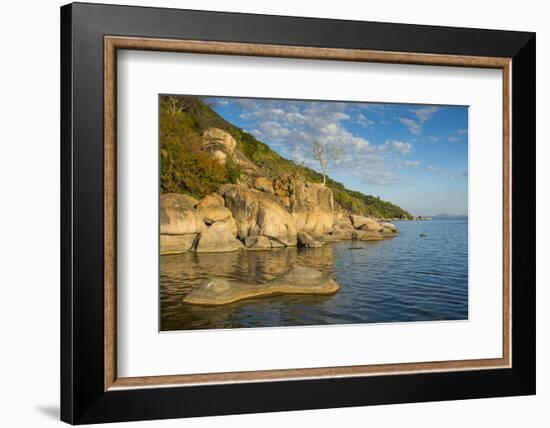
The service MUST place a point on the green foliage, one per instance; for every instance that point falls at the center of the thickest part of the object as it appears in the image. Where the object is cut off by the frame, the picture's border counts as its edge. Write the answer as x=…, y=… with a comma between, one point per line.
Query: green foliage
x=187, y=168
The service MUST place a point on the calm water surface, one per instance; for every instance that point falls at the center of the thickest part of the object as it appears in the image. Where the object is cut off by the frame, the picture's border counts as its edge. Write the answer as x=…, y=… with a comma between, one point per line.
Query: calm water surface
x=407, y=278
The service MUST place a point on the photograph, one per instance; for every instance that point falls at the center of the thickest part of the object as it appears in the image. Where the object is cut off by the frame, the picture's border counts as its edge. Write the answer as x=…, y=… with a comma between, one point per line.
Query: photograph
x=292, y=212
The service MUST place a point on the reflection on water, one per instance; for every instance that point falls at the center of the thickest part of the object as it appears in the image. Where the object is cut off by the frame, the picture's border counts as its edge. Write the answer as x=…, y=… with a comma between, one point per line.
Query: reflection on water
x=408, y=278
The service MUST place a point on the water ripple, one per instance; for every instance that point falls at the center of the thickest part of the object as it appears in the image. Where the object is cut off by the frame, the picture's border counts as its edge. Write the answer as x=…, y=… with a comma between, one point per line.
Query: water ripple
x=408, y=278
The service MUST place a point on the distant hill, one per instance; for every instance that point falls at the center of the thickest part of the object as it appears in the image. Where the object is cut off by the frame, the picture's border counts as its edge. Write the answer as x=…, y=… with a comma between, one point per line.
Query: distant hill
x=450, y=217
x=186, y=167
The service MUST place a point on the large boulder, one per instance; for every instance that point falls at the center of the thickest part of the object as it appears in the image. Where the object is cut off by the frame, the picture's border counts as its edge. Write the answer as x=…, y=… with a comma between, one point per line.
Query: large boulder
x=311, y=206
x=210, y=201
x=299, y=280
x=178, y=215
x=307, y=241
x=175, y=244
x=342, y=230
x=387, y=232
x=257, y=243
x=212, y=208
x=389, y=226
x=222, y=146
x=219, y=143
x=365, y=223
x=259, y=213
x=218, y=238
x=263, y=184
x=367, y=235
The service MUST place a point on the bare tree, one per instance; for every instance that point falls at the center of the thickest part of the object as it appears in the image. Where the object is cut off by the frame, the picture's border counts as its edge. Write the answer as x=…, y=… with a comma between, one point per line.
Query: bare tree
x=324, y=154
x=178, y=104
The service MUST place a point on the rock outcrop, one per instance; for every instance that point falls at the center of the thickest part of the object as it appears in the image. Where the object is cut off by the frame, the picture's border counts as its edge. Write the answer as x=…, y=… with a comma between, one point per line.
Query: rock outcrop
x=219, y=143
x=218, y=238
x=367, y=235
x=179, y=223
x=212, y=208
x=312, y=207
x=257, y=243
x=259, y=213
x=176, y=244
x=306, y=240
x=222, y=146
x=365, y=223
x=299, y=280
x=263, y=184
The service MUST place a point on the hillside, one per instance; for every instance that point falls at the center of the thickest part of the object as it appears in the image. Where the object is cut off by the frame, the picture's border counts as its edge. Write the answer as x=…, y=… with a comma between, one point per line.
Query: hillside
x=186, y=167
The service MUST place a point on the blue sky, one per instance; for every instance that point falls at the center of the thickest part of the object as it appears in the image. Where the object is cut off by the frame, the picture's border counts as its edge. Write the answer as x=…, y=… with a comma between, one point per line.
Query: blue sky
x=413, y=155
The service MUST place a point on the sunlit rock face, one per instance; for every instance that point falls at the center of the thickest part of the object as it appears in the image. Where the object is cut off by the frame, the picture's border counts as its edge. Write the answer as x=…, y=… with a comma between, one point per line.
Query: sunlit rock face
x=179, y=223
x=217, y=238
x=219, y=143
x=259, y=213
x=312, y=207
x=178, y=215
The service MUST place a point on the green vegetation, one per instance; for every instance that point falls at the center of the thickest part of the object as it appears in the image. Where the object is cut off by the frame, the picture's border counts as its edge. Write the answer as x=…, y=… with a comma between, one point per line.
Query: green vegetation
x=187, y=168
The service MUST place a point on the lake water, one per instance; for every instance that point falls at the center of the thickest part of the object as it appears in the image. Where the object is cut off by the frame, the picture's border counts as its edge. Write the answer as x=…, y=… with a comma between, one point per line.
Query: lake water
x=406, y=278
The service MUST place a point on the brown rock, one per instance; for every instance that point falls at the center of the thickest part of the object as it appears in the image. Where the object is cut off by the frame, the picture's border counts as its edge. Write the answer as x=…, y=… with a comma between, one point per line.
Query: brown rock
x=210, y=201
x=263, y=184
x=299, y=280
x=259, y=213
x=257, y=243
x=367, y=235
x=178, y=215
x=218, y=238
x=306, y=240
x=365, y=223
x=175, y=244
x=219, y=143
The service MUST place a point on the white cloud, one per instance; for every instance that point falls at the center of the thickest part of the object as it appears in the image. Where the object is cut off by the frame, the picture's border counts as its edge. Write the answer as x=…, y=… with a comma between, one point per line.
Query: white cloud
x=363, y=121
x=456, y=135
x=432, y=168
x=292, y=126
x=422, y=116
x=399, y=146
x=409, y=164
x=414, y=127
x=463, y=174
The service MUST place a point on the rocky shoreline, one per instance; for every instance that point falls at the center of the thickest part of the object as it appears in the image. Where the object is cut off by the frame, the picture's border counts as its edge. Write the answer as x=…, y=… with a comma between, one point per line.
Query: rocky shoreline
x=258, y=213
x=242, y=218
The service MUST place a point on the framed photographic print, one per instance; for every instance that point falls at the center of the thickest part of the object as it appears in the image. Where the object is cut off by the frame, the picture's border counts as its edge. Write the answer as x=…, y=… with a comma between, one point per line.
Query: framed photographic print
x=267, y=213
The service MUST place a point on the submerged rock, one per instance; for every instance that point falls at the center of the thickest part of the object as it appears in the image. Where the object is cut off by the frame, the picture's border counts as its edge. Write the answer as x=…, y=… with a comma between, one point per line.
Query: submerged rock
x=299, y=280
